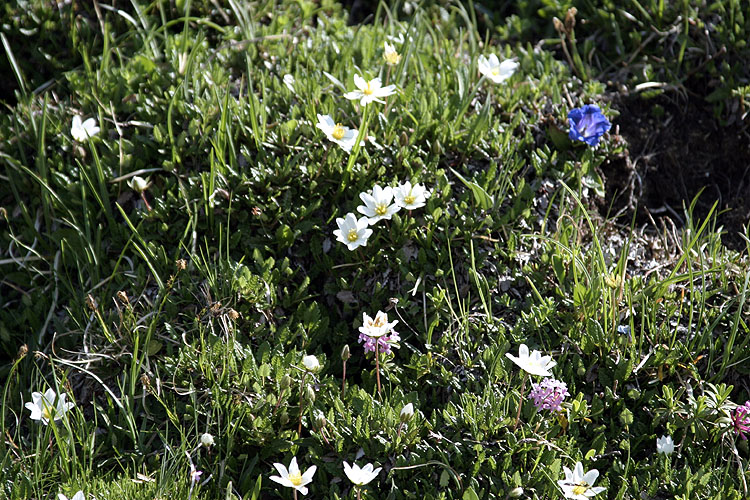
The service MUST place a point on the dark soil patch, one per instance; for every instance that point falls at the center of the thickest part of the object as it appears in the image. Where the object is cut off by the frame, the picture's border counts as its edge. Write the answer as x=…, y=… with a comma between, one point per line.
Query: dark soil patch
x=677, y=150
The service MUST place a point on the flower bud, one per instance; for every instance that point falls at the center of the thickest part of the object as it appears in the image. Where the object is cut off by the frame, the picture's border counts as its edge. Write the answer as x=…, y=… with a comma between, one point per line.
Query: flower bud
x=345, y=354
x=407, y=412
x=558, y=25
x=320, y=420
x=123, y=297
x=570, y=19
x=310, y=394
x=207, y=440
x=138, y=184
x=284, y=418
x=516, y=492
x=311, y=363
x=286, y=382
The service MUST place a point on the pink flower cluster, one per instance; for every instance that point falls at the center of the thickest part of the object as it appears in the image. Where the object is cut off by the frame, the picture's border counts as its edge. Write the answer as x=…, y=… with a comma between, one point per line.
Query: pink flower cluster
x=549, y=394
x=741, y=420
x=386, y=342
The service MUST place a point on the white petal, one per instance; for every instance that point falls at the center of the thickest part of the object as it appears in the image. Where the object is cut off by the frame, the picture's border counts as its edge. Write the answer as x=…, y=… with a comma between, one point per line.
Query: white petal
x=360, y=82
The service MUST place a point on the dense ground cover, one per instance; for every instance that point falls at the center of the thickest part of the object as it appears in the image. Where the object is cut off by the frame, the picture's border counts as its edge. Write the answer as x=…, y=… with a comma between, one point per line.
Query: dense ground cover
x=172, y=273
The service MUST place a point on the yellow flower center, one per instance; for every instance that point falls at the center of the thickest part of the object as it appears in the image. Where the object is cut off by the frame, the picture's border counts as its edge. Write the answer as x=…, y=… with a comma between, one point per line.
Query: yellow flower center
x=381, y=209
x=392, y=58
x=581, y=488
x=338, y=132
x=296, y=478
x=496, y=71
x=409, y=199
x=47, y=412
x=367, y=90
x=352, y=236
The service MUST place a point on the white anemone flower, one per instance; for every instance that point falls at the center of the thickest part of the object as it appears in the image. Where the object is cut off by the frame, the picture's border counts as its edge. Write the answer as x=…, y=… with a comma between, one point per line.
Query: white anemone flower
x=410, y=197
x=292, y=478
x=352, y=232
x=378, y=326
x=378, y=205
x=495, y=70
x=579, y=485
x=78, y=496
x=207, y=440
x=341, y=135
x=369, y=91
x=138, y=184
x=82, y=131
x=533, y=363
x=361, y=476
x=406, y=413
x=390, y=55
x=311, y=363
x=665, y=445
x=48, y=406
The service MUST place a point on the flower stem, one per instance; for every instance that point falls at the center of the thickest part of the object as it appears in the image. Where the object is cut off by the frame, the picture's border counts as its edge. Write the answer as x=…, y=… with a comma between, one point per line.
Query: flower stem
x=301, y=409
x=359, y=493
x=343, y=383
x=377, y=363
x=520, y=402
x=295, y=493
x=360, y=137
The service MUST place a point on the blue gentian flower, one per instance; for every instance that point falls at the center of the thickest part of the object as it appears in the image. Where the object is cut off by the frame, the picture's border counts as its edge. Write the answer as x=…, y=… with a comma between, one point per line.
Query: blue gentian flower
x=587, y=124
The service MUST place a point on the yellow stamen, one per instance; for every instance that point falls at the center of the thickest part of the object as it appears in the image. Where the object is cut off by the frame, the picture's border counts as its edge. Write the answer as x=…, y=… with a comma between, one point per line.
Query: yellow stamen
x=338, y=132
x=381, y=209
x=496, y=71
x=352, y=236
x=47, y=412
x=367, y=90
x=392, y=58
x=581, y=488
x=295, y=478
x=409, y=199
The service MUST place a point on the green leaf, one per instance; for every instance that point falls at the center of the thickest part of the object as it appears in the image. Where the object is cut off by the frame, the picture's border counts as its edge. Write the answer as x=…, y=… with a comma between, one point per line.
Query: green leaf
x=481, y=198
x=469, y=494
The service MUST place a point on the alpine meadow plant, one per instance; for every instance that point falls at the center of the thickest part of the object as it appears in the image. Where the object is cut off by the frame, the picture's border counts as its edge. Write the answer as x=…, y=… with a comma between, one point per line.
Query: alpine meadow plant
x=587, y=124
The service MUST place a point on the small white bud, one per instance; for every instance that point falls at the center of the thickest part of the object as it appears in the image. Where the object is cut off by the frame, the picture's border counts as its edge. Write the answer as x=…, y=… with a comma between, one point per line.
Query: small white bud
x=207, y=440
x=407, y=412
x=311, y=363
x=138, y=184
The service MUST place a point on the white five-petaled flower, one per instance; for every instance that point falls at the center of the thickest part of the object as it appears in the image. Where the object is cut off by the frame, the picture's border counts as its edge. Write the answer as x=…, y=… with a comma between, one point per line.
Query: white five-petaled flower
x=289, y=82
x=138, y=184
x=207, y=440
x=44, y=408
x=311, y=363
x=378, y=326
x=82, y=131
x=495, y=70
x=533, y=363
x=665, y=445
x=361, y=477
x=390, y=55
x=369, y=91
x=579, y=485
x=352, y=232
x=292, y=478
x=78, y=496
x=410, y=197
x=341, y=135
x=378, y=205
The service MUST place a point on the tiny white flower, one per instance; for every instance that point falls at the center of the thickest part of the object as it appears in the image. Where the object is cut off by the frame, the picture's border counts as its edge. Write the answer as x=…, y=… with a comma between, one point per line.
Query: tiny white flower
x=406, y=413
x=378, y=326
x=369, y=91
x=516, y=492
x=533, y=363
x=378, y=205
x=292, y=478
x=311, y=363
x=207, y=440
x=289, y=82
x=44, y=408
x=78, y=496
x=410, y=197
x=361, y=477
x=579, y=485
x=341, y=135
x=82, y=131
x=138, y=184
x=495, y=70
x=665, y=445
x=352, y=232
x=390, y=55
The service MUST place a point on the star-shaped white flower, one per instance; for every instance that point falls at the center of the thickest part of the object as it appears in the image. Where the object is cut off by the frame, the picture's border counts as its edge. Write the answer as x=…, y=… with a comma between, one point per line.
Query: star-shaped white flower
x=289, y=82
x=495, y=70
x=78, y=496
x=665, y=445
x=292, y=478
x=579, y=485
x=311, y=363
x=369, y=91
x=378, y=205
x=43, y=407
x=533, y=363
x=378, y=326
x=361, y=477
x=352, y=232
x=410, y=197
x=341, y=135
x=390, y=55
x=82, y=131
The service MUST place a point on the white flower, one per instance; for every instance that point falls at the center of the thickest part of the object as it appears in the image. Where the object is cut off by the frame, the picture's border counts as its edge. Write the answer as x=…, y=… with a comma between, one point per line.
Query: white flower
x=407, y=412
x=378, y=326
x=495, y=70
x=43, y=406
x=665, y=445
x=138, y=184
x=311, y=363
x=390, y=55
x=352, y=232
x=293, y=478
x=82, y=131
x=378, y=204
x=535, y=364
x=341, y=135
x=362, y=476
x=369, y=91
x=78, y=496
x=579, y=485
x=410, y=197
x=289, y=82
x=516, y=492
x=207, y=440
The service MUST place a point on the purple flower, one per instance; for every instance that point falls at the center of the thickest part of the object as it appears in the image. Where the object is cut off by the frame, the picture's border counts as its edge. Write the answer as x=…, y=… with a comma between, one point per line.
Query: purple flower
x=386, y=342
x=587, y=124
x=741, y=420
x=548, y=394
